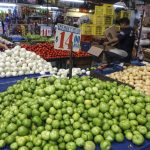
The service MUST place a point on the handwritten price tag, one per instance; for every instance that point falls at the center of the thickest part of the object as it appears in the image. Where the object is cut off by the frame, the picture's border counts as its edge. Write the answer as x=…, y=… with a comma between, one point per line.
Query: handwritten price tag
x=46, y=31
x=66, y=35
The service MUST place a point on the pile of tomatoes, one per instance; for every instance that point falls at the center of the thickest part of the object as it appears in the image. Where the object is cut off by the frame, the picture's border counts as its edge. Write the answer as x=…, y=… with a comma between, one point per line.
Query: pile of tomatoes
x=47, y=51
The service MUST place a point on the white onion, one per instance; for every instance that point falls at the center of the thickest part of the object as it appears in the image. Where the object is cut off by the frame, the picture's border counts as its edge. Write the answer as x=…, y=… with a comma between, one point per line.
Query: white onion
x=14, y=73
x=19, y=61
x=2, y=74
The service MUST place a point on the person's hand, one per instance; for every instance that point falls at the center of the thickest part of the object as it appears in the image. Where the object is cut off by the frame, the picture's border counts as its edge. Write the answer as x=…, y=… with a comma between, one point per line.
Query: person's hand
x=3, y=46
x=106, y=44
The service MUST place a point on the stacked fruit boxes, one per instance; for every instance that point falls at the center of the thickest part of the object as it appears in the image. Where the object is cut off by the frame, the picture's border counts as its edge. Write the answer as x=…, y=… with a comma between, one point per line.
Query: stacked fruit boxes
x=124, y=14
x=102, y=19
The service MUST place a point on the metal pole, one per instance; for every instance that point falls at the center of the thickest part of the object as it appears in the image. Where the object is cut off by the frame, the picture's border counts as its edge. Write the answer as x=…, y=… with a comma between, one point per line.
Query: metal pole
x=70, y=61
x=47, y=12
x=140, y=30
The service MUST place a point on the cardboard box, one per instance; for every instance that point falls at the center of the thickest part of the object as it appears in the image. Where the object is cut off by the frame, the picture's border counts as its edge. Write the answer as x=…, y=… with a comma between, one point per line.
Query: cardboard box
x=146, y=21
x=96, y=50
x=111, y=33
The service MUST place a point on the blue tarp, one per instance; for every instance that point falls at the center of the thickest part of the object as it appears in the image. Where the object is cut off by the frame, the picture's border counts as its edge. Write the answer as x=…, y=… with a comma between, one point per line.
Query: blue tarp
x=110, y=69
x=8, y=81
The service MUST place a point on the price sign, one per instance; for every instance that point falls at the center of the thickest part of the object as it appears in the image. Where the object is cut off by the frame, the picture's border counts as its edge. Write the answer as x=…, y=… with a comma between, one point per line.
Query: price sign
x=65, y=35
x=46, y=31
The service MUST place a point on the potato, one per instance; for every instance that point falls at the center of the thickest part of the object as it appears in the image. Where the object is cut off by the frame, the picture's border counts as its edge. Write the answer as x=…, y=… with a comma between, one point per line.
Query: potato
x=139, y=77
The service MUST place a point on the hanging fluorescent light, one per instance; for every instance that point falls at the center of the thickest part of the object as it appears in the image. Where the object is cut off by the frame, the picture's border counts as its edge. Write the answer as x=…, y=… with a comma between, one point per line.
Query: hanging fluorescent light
x=75, y=1
x=120, y=5
x=7, y=4
x=44, y=7
x=50, y=8
x=55, y=8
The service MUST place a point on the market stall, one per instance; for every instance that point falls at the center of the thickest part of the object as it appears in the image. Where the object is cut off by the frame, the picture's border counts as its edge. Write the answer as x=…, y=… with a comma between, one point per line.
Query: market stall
x=59, y=90
x=92, y=112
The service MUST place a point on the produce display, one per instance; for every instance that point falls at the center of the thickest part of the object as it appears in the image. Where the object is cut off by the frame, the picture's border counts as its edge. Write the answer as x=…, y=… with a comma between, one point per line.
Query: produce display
x=138, y=77
x=19, y=61
x=81, y=54
x=52, y=114
x=47, y=51
x=37, y=37
x=75, y=71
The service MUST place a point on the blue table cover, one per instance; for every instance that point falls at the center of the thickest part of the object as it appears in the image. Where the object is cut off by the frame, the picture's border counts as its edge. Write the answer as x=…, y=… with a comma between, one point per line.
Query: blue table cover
x=8, y=81
x=137, y=63
x=126, y=145
x=110, y=69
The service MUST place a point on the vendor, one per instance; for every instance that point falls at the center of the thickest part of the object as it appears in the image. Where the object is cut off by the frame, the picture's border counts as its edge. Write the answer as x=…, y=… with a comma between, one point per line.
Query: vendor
x=124, y=43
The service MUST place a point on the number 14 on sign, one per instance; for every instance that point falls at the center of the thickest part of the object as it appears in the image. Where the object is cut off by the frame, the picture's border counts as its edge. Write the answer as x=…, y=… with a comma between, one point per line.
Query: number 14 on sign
x=63, y=41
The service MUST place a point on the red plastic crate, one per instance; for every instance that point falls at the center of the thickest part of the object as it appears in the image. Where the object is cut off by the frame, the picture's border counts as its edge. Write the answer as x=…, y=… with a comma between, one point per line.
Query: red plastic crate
x=86, y=38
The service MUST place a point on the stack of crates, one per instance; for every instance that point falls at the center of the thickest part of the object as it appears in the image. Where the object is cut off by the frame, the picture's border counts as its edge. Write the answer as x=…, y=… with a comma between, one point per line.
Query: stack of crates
x=98, y=30
x=123, y=14
x=105, y=10
x=86, y=29
x=86, y=36
x=102, y=19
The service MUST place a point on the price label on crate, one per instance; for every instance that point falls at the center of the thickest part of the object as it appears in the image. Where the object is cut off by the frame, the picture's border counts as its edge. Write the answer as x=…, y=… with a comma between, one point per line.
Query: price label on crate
x=46, y=31
x=65, y=35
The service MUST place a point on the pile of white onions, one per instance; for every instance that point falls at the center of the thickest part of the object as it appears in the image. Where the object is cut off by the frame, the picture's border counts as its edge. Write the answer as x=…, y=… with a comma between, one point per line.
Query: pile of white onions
x=18, y=61
x=139, y=77
x=75, y=71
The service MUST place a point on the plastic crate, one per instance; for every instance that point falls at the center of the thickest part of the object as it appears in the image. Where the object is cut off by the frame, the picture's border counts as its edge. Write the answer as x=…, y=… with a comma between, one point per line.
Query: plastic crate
x=86, y=29
x=98, y=30
x=105, y=9
x=85, y=46
x=117, y=28
x=86, y=38
x=102, y=20
x=123, y=14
